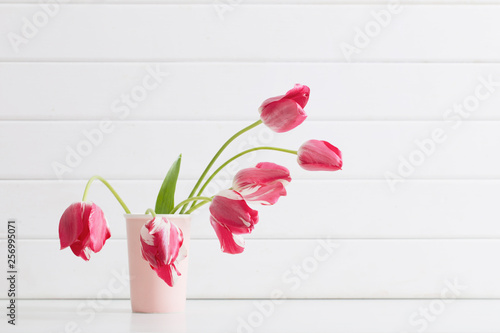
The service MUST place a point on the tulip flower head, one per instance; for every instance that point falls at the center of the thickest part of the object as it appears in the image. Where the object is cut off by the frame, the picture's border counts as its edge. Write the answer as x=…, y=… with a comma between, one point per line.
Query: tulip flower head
x=84, y=228
x=263, y=184
x=231, y=217
x=316, y=155
x=161, y=247
x=284, y=113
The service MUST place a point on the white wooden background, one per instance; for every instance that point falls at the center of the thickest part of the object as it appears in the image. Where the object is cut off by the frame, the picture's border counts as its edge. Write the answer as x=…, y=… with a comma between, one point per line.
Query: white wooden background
x=222, y=59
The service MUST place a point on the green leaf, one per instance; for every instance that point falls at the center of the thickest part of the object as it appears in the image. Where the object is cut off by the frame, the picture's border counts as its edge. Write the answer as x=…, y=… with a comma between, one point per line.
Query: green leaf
x=165, y=200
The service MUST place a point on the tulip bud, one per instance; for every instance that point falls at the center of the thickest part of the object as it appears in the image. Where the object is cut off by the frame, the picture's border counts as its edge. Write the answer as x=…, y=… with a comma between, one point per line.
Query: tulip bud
x=284, y=113
x=315, y=155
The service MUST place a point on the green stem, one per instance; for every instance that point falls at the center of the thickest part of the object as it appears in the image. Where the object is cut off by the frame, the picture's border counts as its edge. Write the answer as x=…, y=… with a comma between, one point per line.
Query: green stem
x=224, y=146
x=196, y=207
x=239, y=155
x=150, y=211
x=91, y=180
x=205, y=199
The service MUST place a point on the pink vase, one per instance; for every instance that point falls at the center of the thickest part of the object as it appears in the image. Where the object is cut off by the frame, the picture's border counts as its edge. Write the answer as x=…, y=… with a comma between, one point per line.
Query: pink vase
x=149, y=293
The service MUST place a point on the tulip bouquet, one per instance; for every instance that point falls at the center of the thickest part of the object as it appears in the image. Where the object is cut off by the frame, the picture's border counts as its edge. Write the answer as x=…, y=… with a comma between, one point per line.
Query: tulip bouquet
x=84, y=228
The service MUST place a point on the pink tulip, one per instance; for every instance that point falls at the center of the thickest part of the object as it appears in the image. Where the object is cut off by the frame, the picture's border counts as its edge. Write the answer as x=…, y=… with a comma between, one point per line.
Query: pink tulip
x=161, y=247
x=84, y=228
x=231, y=217
x=263, y=184
x=315, y=155
x=284, y=113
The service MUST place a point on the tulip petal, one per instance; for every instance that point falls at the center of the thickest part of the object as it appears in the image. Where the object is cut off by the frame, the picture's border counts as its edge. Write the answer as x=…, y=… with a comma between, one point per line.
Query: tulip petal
x=175, y=244
x=283, y=115
x=71, y=224
x=300, y=94
x=269, y=101
x=263, y=184
x=272, y=166
x=148, y=247
x=229, y=243
x=80, y=250
x=98, y=228
x=80, y=245
x=315, y=155
x=264, y=195
x=183, y=253
x=230, y=209
x=166, y=273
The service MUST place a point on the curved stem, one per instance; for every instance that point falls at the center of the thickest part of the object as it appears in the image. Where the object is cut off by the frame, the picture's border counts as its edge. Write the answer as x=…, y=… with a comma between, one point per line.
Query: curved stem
x=224, y=146
x=150, y=211
x=239, y=155
x=104, y=181
x=198, y=198
x=196, y=207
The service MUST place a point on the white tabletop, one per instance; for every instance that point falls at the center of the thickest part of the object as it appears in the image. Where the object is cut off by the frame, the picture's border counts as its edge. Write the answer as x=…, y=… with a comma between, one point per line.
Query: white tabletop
x=246, y=316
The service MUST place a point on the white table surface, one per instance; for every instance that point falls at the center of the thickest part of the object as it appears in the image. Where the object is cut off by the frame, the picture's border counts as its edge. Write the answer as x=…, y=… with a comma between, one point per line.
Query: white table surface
x=289, y=316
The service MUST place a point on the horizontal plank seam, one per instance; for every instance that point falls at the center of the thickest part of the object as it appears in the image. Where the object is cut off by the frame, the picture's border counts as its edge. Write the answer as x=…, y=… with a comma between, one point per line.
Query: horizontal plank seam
x=315, y=120
x=263, y=61
x=260, y=4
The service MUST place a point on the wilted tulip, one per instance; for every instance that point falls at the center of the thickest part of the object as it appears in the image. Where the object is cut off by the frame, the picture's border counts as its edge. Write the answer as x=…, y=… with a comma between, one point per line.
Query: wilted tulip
x=84, y=228
x=161, y=247
x=231, y=217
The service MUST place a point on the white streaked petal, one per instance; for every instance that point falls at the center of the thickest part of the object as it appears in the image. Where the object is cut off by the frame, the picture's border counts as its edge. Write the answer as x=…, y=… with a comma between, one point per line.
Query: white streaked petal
x=230, y=194
x=87, y=251
x=157, y=225
x=166, y=238
x=238, y=239
x=146, y=236
x=245, y=222
x=249, y=190
x=183, y=253
x=284, y=182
